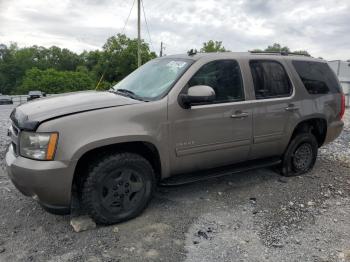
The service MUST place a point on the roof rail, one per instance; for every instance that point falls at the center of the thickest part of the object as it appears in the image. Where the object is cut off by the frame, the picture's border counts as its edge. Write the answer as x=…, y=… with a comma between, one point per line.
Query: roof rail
x=284, y=53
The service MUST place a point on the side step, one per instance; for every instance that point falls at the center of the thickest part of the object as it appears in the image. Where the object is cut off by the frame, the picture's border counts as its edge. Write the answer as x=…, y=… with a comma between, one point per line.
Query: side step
x=182, y=179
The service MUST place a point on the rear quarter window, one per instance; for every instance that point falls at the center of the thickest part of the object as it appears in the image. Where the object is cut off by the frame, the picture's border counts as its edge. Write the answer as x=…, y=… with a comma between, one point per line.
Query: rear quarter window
x=317, y=77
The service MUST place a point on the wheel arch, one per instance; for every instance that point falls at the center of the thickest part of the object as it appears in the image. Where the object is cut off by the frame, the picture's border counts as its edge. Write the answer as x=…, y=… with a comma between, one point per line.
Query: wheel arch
x=315, y=125
x=144, y=148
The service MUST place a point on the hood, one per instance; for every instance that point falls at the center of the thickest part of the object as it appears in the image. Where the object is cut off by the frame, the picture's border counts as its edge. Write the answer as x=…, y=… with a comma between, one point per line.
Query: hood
x=29, y=115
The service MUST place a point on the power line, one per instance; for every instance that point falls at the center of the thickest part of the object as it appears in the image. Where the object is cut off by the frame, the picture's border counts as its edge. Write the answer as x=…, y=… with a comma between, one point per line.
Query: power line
x=144, y=15
x=126, y=22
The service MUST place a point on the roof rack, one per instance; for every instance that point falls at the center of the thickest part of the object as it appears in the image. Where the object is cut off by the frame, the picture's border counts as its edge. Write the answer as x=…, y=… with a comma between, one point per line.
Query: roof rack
x=284, y=53
x=192, y=52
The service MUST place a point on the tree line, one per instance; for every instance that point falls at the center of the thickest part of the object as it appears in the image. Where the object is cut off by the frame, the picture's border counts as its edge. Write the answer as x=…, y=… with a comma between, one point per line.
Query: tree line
x=55, y=70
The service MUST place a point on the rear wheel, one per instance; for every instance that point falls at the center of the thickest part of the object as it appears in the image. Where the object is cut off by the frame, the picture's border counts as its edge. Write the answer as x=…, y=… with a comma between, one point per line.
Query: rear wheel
x=118, y=188
x=300, y=155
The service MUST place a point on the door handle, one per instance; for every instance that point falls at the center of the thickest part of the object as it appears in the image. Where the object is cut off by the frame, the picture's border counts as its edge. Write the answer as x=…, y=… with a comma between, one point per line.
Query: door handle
x=239, y=115
x=291, y=108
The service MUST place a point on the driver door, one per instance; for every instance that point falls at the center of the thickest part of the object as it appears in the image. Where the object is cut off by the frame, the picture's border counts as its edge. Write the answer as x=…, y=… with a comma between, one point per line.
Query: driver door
x=213, y=134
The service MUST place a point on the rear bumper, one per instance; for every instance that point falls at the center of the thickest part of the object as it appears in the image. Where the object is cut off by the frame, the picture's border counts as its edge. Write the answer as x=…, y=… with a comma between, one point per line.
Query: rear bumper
x=333, y=131
x=49, y=182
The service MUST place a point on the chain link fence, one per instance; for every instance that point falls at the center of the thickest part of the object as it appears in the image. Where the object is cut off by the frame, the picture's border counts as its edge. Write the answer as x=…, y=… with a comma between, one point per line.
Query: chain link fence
x=20, y=99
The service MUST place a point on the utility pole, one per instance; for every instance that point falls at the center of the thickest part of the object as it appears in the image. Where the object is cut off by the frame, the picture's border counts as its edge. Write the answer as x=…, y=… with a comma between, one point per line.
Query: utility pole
x=161, y=49
x=138, y=33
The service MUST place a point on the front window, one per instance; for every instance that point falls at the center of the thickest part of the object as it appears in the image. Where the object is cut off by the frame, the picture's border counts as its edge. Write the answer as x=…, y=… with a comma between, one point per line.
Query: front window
x=154, y=79
x=224, y=76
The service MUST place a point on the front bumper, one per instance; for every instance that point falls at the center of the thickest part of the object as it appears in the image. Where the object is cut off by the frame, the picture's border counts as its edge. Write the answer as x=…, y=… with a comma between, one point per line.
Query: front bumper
x=49, y=182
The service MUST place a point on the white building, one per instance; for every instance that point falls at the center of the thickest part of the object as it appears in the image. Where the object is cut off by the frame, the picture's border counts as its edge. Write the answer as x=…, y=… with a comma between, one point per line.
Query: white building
x=342, y=70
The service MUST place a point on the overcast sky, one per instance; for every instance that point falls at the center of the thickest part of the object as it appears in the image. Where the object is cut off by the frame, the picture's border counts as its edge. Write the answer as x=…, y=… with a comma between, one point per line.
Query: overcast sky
x=320, y=26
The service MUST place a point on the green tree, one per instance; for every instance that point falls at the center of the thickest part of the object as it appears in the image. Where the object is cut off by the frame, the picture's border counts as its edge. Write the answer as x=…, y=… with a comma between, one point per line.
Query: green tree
x=277, y=48
x=119, y=57
x=302, y=52
x=9, y=69
x=91, y=59
x=14, y=62
x=53, y=81
x=212, y=47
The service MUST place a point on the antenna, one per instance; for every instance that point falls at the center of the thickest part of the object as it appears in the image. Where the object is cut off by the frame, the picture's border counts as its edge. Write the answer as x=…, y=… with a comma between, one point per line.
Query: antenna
x=138, y=33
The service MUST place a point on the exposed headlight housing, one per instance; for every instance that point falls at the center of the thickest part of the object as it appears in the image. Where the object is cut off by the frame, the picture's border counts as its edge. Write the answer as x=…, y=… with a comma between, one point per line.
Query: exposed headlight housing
x=38, y=146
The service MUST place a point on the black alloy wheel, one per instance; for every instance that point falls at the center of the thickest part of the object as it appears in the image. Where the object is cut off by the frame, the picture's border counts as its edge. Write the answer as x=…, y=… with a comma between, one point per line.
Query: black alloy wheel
x=118, y=188
x=300, y=156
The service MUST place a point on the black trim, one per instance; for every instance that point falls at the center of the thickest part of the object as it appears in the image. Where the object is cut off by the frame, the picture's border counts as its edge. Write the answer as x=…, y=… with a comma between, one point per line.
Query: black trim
x=187, y=178
x=21, y=121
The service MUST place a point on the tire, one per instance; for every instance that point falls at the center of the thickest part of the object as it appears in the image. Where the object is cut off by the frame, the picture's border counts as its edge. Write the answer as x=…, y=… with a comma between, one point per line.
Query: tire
x=300, y=156
x=118, y=188
x=56, y=211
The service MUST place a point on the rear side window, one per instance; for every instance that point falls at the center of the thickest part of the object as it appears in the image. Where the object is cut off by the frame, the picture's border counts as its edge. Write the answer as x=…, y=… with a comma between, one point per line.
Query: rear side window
x=317, y=77
x=270, y=79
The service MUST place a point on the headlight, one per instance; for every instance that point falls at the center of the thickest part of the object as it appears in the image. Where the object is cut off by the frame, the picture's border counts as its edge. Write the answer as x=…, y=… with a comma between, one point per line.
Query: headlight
x=40, y=146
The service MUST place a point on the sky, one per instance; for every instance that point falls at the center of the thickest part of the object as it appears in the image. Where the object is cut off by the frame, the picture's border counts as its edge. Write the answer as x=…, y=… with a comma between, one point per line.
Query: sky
x=322, y=27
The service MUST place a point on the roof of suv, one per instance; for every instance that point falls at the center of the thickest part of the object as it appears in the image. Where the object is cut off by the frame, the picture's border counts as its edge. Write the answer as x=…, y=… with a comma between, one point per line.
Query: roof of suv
x=251, y=55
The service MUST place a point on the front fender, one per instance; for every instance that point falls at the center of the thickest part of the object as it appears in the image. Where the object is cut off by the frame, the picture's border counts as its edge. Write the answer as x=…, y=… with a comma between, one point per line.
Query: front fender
x=80, y=133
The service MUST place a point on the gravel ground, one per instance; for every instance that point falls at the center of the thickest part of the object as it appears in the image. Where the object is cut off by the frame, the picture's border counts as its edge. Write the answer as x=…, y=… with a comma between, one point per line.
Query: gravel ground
x=252, y=216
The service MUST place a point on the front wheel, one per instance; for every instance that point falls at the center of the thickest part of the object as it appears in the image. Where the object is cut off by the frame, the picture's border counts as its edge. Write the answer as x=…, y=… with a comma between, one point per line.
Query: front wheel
x=118, y=188
x=300, y=155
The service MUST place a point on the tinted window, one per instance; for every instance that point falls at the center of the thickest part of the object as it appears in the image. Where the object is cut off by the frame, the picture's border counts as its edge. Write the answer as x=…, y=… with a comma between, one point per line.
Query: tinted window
x=270, y=79
x=317, y=77
x=224, y=77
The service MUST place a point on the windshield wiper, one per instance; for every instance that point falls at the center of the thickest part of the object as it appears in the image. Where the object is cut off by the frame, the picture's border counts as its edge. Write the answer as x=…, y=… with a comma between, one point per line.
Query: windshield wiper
x=127, y=93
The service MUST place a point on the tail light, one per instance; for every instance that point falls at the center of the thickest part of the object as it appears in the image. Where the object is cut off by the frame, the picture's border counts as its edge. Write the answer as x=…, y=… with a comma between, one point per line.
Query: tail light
x=342, y=107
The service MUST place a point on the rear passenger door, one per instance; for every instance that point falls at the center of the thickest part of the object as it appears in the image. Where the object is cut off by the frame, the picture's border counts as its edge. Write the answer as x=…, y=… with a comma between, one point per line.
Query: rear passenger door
x=273, y=107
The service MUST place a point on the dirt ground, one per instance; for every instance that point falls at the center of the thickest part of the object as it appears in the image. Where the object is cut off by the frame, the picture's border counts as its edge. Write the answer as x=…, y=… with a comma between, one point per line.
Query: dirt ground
x=252, y=216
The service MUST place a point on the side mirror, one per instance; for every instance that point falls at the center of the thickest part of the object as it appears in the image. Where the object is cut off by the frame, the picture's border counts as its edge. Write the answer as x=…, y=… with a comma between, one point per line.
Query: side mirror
x=197, y=95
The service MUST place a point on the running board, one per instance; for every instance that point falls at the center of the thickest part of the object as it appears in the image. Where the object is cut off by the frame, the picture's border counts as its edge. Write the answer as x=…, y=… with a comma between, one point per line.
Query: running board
x=182, y=179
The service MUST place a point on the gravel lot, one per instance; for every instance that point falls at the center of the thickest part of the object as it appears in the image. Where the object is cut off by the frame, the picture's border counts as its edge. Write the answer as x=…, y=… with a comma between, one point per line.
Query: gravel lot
x=252, y=216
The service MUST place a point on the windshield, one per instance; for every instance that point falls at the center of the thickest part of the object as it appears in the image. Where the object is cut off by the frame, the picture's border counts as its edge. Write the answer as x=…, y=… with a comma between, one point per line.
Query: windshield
x=153, y=79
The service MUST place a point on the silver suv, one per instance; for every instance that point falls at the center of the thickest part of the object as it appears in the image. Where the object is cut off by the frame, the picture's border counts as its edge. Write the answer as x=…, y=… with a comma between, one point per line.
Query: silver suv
x=176, y=119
